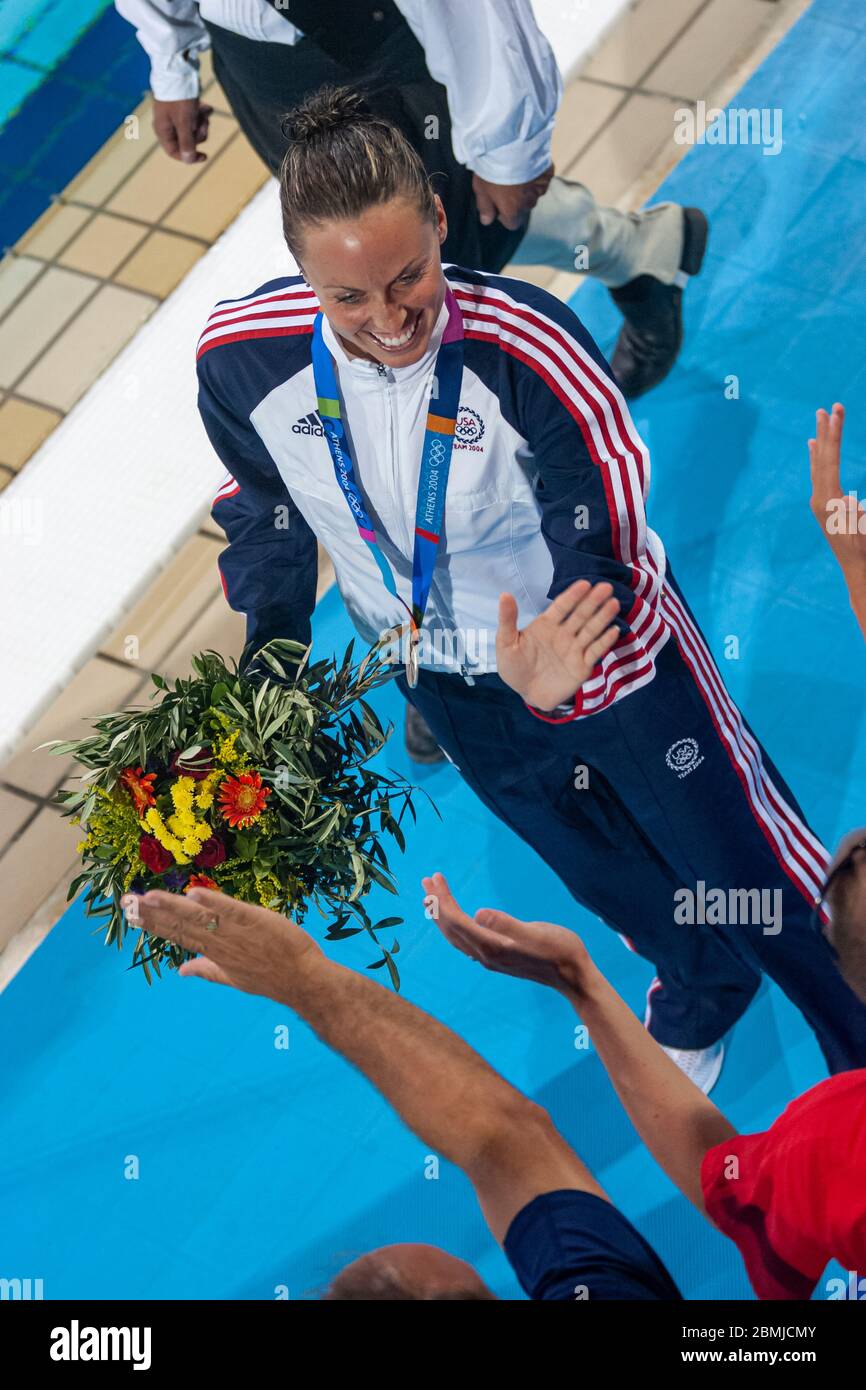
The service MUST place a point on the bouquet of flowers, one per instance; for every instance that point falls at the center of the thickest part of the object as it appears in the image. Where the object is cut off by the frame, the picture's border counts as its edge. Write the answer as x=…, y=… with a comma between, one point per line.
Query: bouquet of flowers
x=256, y=788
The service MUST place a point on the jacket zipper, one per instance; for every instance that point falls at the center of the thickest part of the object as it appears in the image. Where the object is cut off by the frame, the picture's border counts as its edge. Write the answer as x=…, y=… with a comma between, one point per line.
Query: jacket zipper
x=395, y=466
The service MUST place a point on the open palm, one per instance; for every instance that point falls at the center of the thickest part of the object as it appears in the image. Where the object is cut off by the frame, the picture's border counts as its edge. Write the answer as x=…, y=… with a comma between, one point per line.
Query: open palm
x=540, y=951
x=549, y=660
x=841, y=518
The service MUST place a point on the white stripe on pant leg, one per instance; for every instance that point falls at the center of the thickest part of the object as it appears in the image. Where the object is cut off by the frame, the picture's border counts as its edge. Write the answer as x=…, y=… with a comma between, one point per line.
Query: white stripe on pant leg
x=812, y=849
x=786, y=845
x=785, y=837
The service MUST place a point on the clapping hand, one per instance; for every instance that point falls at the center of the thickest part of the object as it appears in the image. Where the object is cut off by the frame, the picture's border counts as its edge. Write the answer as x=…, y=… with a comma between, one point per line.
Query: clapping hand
x=841, y=518
x=549, y=660
x=233, y=943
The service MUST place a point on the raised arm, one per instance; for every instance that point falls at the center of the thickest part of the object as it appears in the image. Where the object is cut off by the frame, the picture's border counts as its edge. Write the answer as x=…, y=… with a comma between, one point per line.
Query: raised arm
x=673, y=1117
x=457, y=1105
x=842, y=519
x=591, y=483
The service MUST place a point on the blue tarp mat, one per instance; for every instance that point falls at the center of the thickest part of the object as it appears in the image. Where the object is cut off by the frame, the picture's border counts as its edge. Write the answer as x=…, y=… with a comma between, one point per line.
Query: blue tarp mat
x=261, y=1167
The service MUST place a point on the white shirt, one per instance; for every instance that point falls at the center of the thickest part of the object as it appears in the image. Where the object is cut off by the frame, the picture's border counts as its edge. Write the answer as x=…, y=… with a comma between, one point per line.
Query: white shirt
x=502, y=80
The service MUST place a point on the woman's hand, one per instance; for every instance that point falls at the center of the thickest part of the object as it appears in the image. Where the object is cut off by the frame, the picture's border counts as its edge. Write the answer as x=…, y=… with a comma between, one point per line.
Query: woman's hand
x=538, y=951
x=548, y=661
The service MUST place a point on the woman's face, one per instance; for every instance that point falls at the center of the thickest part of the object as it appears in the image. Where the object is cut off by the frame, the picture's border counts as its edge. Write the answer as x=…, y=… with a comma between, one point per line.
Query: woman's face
x=379, y=279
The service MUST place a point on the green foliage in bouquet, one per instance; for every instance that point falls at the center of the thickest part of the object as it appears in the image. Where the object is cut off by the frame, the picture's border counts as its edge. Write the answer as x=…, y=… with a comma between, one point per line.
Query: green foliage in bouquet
x=257, y=788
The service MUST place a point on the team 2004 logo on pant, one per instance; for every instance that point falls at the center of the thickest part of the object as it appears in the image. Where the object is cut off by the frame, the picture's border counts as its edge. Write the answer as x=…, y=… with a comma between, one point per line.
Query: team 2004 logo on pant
x=684, y=756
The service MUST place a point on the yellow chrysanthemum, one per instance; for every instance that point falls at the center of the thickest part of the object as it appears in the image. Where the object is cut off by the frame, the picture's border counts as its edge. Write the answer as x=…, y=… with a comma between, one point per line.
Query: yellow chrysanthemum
x=206, y=789
x=182, y=790
x=154, y=822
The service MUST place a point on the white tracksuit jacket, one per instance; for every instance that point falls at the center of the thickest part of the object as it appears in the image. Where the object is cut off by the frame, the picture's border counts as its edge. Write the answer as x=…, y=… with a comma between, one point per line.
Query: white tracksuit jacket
x=547, y=484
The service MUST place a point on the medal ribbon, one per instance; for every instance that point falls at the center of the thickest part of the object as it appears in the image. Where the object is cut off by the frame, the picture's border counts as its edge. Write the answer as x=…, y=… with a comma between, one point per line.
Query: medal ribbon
x=435, y=458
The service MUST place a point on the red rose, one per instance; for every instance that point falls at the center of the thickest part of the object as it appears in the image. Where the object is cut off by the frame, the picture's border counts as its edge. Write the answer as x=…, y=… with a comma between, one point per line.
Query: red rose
x=212, y=852
x=197, y=767
x=154, y=855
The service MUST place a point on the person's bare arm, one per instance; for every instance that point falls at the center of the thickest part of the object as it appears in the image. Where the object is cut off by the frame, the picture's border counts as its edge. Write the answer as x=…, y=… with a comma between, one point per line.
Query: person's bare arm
x=447, y=1095
x=673, y=1117
x=841, y=518
x=173, y=35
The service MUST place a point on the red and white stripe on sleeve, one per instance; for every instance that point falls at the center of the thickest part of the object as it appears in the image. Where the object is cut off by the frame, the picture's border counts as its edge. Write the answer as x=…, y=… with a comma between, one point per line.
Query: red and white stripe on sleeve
x=598, y=407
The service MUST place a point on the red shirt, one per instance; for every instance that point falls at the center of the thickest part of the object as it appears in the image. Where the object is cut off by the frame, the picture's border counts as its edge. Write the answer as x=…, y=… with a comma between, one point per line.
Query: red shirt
x=796, y=1196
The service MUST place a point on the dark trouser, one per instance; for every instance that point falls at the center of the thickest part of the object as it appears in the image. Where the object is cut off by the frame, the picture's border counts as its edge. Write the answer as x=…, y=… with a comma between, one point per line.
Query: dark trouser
x=676, y=790
x=263, y=81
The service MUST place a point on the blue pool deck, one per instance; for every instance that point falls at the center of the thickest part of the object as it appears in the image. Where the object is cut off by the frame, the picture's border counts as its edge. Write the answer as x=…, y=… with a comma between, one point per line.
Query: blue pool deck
x=69, y=74
x=261, y=1167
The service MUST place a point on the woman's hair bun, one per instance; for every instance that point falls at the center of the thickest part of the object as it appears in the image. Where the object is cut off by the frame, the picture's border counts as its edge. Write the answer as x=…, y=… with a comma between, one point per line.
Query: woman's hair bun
x=323, y=112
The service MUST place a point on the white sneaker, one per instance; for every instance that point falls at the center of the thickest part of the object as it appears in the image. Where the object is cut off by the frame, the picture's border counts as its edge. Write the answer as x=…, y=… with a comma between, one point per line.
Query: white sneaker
x=701, y=1065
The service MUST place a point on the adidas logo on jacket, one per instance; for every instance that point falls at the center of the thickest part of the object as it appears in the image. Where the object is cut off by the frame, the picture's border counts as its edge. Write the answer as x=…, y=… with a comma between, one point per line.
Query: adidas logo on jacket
x=310, y=424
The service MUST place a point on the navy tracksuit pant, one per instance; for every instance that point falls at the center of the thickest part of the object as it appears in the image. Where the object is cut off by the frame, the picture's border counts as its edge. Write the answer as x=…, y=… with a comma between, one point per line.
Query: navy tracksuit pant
x=677, y=791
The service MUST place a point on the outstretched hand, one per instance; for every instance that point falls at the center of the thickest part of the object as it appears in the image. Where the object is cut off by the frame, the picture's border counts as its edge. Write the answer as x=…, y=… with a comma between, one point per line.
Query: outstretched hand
x=250, y=948
x=841, y=518
x=539, y=951
x=548, y=661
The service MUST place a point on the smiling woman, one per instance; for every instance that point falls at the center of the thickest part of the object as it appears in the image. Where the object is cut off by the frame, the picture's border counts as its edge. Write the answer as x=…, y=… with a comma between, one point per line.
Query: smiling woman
x=431, y=537
x=339, y=184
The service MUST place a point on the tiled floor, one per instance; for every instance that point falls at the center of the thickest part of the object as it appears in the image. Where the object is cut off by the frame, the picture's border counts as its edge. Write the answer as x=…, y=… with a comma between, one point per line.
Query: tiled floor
x=615, y=125
x=122, y=237
x=69, y=74
x=95, y=266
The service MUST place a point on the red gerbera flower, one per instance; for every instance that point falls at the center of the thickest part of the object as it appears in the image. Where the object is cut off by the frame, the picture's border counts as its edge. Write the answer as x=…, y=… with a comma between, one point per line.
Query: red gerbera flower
x=139, y=784
x=201, y=881
x=242, y=799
